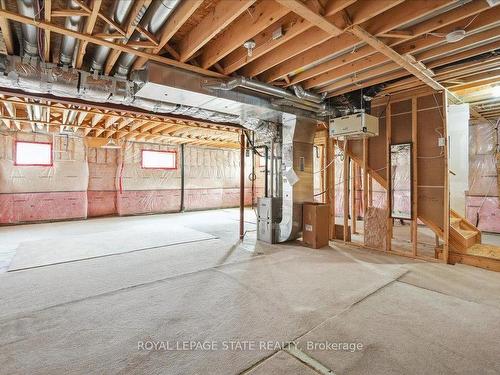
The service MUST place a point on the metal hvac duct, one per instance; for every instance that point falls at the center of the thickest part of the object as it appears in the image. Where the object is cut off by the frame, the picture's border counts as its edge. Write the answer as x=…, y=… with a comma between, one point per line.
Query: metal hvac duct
x=29, y=32
x=305, y=100
x=156, y=15
x=68, y=43
x=297, y=173
x=67, y=82
x=242, y=98
x=120, y=13
x=307, y=95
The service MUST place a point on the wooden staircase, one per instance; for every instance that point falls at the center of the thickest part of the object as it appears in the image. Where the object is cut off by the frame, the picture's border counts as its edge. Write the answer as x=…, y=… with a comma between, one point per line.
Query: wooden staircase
x=463, y=234
x=464, y=238
x=466, y=246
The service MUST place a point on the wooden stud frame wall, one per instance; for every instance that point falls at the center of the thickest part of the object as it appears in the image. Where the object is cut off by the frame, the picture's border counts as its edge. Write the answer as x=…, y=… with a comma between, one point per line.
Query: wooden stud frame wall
x=430, y=190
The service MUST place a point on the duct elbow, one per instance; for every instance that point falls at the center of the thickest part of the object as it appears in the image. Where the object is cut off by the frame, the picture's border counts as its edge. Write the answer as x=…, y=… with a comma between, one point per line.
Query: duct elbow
x=301, y=93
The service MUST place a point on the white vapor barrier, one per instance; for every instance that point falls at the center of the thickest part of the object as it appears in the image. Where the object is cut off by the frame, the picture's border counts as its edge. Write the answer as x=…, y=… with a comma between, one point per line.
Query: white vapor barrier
x=458, y=155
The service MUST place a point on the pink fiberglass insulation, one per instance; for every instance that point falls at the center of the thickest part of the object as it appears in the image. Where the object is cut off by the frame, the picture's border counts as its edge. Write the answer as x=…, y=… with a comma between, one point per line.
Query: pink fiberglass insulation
x=101, y=203
x=47, y=206
x=101, y=194
x=211, y=180
x=482, y=204
x=43, y=193
x=484, y=213
x=132, y=202
x=86, y=181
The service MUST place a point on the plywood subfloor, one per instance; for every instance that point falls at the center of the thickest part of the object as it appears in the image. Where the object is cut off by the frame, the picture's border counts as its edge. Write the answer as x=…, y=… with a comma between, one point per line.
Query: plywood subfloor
x=485, y=250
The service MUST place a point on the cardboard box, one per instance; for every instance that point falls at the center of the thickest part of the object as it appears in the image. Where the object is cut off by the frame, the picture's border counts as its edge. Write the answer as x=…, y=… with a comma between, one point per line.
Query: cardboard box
x=315, y=230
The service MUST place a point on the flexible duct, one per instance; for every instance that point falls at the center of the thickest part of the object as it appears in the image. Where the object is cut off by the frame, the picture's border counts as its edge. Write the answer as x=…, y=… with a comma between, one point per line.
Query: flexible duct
x=120, y=13
x=156, y=15
x=68, y=43
x=30, y=42
x=265, y=129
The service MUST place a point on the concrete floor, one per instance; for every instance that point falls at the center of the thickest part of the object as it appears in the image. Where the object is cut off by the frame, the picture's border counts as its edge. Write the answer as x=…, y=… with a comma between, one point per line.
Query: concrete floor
x=243, y=307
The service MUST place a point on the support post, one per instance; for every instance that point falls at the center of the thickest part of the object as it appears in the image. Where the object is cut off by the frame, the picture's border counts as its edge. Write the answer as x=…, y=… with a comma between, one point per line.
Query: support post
x=353, y=176
x=242, y=185
x=346, y=192
x=266, y=171
x=388, y=176
x=365, y=182
x=182, y=177
x=446, y=198
x=330, y=184
x=253, y=170
x=370, y=190
x=414, y=177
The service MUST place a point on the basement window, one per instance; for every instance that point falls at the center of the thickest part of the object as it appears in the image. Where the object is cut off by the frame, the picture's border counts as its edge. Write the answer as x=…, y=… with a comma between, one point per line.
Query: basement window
x=33, y=154
x=159, y=159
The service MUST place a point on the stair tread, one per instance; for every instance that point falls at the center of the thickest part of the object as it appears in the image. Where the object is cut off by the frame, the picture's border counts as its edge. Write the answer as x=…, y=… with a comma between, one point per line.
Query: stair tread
x=466, y=233
x=484, y=250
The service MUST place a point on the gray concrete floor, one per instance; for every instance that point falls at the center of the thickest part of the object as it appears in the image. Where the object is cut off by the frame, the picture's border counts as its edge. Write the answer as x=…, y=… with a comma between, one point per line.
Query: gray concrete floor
x=243, y=307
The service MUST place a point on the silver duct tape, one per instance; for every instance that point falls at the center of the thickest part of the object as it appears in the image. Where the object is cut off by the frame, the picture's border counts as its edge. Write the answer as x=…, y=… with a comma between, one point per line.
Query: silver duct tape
x=154, y=106
x=29, y=32
x=95, y=89
x=27, y=77
x=205, y=114
x=122, y=92
x=63, y=82
x=265, y=130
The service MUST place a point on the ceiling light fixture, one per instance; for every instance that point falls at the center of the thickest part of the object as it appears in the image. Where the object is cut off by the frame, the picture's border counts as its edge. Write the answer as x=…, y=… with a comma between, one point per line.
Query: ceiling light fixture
x=111, y=144
x=455, y=36
x=249, y=45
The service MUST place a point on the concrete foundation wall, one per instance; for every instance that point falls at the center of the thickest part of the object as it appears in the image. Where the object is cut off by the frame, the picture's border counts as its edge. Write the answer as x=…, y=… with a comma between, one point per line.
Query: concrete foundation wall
x=88, y=182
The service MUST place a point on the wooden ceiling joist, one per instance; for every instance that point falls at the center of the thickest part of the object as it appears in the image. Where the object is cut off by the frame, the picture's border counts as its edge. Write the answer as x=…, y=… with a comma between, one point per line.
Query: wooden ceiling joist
x=6, y=32
x=391, y=19
x=291, y=25
x=310, y=39
x=89, y=38
x=89, y=27
x=248, y=25
x=224, y=13
x=325, y=72
x=327, y=46
x=377, y=44
x=180, y=15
